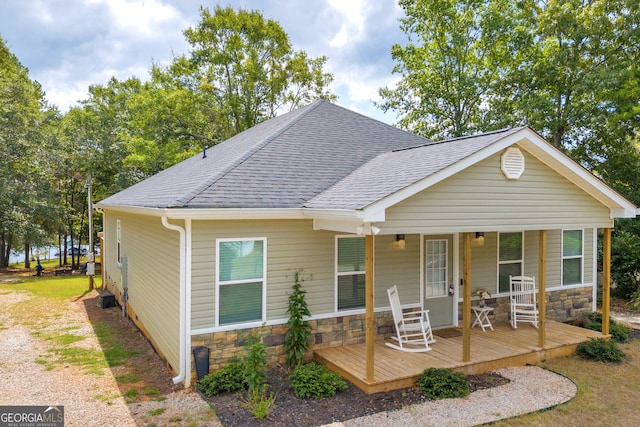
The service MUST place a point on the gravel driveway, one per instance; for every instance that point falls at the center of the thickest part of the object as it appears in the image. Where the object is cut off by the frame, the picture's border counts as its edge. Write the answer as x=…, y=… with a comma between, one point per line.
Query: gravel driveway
x=88, y=399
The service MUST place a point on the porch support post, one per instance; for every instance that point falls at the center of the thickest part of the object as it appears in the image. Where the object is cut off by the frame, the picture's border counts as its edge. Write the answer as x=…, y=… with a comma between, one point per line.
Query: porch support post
x=369, y=301
x=466, y=299
x=606, y=280
x=542, y=289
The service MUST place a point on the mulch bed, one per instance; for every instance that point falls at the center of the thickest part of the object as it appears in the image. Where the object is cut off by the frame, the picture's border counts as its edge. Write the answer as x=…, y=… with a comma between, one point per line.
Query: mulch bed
x=290, y=410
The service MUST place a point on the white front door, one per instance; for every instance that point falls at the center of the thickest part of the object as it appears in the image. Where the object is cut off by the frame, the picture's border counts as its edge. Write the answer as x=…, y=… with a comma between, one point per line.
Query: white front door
x=437, y=281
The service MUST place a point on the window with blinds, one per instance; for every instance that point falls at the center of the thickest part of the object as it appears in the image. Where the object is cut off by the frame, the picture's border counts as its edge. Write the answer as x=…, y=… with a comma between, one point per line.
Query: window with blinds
x=509, y=258
x=572, y=257
x=350, y=272
x=241, y=280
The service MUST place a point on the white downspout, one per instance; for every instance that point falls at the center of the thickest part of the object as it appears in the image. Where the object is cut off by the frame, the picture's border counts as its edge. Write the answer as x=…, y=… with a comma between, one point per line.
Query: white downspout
x=183, y=299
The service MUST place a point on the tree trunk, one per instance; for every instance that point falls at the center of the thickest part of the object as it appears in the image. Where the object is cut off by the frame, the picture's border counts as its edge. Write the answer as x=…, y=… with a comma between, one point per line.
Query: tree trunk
x=27, y=257
x=64, y=256
x=4, y=260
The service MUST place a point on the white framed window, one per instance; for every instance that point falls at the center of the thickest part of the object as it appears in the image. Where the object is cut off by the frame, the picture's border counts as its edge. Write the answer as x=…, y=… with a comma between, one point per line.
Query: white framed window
x=572, y=257
x=119, y=247
x=510, y=258
x=436, y=268
x=350, y=272
x=241, y=280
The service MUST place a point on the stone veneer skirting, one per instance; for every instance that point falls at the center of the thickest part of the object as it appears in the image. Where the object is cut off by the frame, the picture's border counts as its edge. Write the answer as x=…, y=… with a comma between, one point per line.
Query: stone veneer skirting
x=332, y=332
x=562, y=306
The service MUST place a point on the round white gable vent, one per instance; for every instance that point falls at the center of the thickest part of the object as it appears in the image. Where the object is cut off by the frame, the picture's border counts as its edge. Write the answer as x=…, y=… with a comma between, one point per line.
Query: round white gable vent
x=512, y=163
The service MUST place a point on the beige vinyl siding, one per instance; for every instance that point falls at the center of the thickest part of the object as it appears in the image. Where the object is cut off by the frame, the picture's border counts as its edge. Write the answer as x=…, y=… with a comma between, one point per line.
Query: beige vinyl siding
x=153, y=266
x=481, y=196
x=109, y=258
x=292, y=245
x=395, y=266
x=531, y=253
x=484, y=262
x=587, y=264
x=554, y=258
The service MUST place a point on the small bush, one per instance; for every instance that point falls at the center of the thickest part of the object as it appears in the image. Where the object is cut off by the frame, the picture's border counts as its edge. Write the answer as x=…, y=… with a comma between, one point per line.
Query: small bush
x=619, y=332
x=600, y=350
x=259, y=402
x=229, y=378
x=315, y=381
x=255, y=363
x=438, y=383
x=298, y=336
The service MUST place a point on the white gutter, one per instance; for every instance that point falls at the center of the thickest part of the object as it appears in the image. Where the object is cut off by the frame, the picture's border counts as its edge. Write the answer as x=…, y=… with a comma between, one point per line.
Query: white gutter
x=183, y=302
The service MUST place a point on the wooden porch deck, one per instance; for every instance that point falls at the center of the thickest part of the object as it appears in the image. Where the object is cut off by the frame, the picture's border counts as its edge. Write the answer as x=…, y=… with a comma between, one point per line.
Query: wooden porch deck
x=490, y=350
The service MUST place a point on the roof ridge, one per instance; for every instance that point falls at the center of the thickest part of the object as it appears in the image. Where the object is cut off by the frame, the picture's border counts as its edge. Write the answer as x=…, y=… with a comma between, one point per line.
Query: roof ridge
x=503, y=130
x=243, y=158
x=459, y=138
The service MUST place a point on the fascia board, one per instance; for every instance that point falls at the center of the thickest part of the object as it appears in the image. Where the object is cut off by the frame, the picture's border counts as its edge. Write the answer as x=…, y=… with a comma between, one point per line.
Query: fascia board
x=209, y=214
x=619, y=206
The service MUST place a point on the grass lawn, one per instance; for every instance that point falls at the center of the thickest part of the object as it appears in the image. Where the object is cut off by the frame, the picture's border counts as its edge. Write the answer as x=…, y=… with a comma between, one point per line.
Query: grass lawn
x=45, y=305
x=608, y=393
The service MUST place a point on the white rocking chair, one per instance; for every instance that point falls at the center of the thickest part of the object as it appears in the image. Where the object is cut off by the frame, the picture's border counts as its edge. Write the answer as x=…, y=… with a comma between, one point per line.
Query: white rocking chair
x=413, y=329
x=524, y=307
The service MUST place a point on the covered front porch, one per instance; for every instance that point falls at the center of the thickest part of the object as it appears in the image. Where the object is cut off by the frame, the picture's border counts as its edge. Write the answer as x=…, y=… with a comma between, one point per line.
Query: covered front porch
x=492, y=350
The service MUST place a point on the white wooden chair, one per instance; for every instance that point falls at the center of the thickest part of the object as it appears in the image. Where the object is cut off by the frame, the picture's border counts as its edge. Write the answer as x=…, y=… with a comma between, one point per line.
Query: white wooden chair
x=412, y=328
x=524, y=306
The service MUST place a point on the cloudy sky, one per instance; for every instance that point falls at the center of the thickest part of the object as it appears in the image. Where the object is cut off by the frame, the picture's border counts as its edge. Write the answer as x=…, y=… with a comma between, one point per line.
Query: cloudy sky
x=68, y=45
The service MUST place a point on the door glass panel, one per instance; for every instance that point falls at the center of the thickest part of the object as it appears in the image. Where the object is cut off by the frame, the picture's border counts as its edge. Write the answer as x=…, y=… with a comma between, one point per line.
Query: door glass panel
x=436, y=268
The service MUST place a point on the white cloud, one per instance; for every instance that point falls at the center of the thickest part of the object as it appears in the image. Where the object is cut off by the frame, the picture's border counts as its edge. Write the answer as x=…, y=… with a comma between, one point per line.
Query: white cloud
x=353, y=19
x=141, y=16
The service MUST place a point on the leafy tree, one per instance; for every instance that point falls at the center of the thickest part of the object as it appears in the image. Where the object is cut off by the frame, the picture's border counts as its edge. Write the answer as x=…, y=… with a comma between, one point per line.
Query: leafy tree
x=567, y=75
x=461, y=50
x=23, y=165
x=567, y=68
x=246, y=64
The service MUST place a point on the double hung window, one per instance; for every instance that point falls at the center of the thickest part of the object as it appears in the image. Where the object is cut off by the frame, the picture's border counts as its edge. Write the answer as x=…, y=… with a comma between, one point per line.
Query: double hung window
x=350, y=272
x=241, y=280
x=572, y=257
x=509, y=258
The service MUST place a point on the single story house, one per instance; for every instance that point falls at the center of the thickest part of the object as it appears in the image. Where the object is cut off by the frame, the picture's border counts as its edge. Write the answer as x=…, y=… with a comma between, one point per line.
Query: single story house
x=204, y=252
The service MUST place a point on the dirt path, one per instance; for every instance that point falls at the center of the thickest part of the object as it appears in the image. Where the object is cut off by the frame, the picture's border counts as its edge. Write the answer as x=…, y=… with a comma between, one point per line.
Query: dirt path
x=90, y=399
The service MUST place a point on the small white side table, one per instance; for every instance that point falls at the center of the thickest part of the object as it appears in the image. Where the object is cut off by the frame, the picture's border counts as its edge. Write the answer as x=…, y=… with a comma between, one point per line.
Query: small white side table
x=482, y=317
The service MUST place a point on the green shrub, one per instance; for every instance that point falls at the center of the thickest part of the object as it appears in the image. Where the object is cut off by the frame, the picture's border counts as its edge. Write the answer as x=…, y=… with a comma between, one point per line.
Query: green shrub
x=316, y=381
x=296, y=340
x=260, y=403
x=600, y=350
x=255, y=364
x=438, y=383
x=619, y=332
x=229, y=378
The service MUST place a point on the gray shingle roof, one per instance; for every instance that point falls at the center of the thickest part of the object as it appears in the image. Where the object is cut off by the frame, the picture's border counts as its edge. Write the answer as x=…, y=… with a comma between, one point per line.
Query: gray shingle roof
x=280, y=163
x=393, y=171
x=320, y=156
